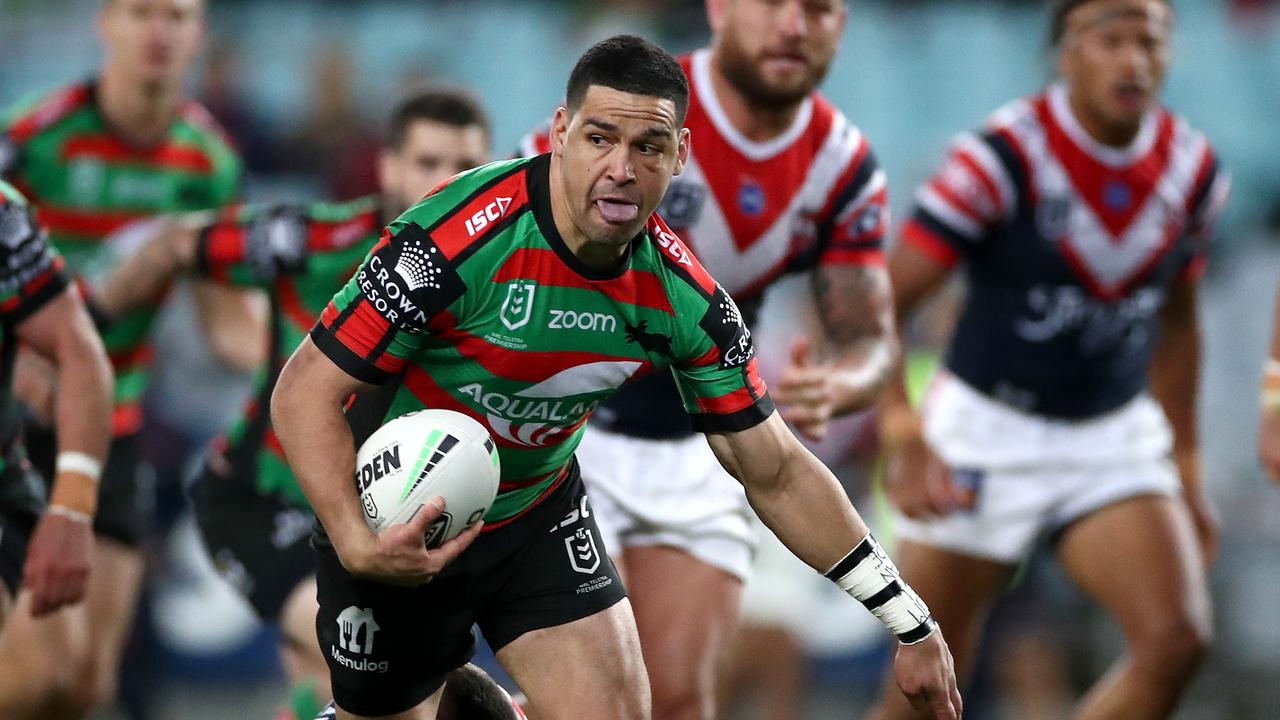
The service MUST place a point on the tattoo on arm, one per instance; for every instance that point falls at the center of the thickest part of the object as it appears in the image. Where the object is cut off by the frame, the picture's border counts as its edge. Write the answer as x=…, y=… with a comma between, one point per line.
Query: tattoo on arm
x=855, y=305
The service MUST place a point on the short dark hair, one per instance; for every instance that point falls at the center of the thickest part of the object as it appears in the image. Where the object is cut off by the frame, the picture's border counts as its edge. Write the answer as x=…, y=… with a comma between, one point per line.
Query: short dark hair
x=472, y=694
x=445, y=105
x=1058, y=18
x=632, y=65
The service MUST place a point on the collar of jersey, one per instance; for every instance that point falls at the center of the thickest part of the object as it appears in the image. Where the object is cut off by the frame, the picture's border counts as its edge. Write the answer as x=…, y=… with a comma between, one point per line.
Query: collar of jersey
x=1117, y=157
x=756, y=151
x=539, y=184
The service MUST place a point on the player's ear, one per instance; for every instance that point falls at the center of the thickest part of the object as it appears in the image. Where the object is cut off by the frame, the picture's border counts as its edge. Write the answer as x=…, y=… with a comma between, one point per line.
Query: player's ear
x=559, y=134
x=387, y=169
x=682, y=150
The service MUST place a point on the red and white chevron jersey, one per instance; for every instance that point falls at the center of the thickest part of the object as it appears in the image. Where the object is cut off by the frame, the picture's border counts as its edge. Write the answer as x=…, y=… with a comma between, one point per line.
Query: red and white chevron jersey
x=1070, y=248
x=753, y=211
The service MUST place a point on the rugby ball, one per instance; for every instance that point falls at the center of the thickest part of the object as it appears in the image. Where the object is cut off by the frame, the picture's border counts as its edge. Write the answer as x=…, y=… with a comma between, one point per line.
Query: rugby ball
x=420, y=455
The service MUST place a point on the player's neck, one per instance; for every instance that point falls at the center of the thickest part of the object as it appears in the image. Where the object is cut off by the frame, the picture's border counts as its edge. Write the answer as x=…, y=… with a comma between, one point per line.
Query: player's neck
x=757, y=124
x=1105, y=133
x=140, y=114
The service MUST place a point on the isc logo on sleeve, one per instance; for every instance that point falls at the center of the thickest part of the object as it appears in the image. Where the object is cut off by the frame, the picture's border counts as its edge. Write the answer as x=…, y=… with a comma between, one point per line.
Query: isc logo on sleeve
x=487, y=215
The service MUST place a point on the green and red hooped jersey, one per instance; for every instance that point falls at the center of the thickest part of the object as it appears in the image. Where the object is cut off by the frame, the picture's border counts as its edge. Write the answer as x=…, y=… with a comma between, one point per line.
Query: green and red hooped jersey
x=301, y=256
x=30, y=276
x=86, y=184
x=472, y=302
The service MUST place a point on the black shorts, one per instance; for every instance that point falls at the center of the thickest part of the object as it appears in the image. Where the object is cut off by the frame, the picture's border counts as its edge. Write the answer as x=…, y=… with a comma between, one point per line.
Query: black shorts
x=123, y=497
x=15, y=532
x=21, y=502
x=259, y=543
x=389, y=648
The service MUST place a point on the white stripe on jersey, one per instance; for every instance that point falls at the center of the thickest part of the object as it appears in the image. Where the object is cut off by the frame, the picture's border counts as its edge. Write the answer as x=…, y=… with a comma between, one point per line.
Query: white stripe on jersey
x=1105, y=154
x=712, y=239
x=875, y=184
x=992, y=168
x=954, y=218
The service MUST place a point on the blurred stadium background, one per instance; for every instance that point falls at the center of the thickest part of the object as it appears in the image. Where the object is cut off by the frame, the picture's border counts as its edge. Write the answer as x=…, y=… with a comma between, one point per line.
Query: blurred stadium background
x=303, y=84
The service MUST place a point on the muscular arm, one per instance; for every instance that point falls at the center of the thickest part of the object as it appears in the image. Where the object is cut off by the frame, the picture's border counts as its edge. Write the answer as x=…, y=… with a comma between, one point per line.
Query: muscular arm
x=1175, y=375
x=171, y=250
x=306, y=413
x=914, y=276
x=855, y=305
x=795, y=495
x=1175, y=380
x=306, y=410
x=58, y=561
x=234, y=322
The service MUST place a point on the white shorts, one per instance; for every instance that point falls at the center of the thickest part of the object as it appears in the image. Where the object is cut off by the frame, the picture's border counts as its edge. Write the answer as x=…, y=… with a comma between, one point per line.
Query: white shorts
x=667, y=492
x=1035, y=475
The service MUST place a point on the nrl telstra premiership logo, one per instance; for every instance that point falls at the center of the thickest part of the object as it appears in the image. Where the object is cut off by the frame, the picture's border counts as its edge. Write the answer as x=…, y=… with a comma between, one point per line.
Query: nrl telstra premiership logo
x=518, y=307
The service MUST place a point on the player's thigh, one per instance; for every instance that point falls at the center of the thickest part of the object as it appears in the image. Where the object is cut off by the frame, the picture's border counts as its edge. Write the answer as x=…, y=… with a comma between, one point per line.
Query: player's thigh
x=111, y=602
x=300, y=646
x=1138, y=558
x=686, y=610
x=587, y=669
x=48, y=652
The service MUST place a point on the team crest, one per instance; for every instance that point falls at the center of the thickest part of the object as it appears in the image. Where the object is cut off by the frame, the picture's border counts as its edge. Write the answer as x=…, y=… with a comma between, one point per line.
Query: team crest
x=583, y=554
x=518, y=307
x=751, y=197
x=1053, y=214
x=683, y=203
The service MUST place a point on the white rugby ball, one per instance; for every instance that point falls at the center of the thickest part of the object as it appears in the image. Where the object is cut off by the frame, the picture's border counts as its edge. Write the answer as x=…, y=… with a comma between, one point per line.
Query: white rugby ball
x=420, y=455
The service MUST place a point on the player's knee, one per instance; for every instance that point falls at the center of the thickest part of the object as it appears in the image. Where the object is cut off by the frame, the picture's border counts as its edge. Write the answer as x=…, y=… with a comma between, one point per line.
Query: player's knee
x=679, y=694
x=1176, y=644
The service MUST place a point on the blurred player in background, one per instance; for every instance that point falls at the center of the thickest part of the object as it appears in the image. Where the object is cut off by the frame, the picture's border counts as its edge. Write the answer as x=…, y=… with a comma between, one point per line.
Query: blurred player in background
x=1081, y=216
x=47, y=549
x=93, y=158
x=778, y=181
x=254, y=520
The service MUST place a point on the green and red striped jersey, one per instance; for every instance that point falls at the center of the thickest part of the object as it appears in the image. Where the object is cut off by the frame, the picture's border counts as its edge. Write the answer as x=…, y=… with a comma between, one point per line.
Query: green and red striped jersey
x=86, y=183
x=472, y=302
x=300, y=256
x=30, y=276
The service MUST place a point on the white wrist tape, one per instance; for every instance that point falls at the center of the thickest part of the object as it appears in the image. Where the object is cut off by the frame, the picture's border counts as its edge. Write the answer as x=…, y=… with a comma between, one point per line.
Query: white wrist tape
x=78, y=462
x=76, y=515
x=870, y=576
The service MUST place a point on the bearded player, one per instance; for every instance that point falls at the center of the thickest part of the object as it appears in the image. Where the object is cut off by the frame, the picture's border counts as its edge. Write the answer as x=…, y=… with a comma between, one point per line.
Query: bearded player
x=779, y=181
x=1067, y=408
x=92, y=158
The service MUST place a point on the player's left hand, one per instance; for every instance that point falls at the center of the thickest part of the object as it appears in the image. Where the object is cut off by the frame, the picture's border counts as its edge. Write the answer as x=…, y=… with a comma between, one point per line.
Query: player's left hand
x=804, y=394
x=56, y=571
x=926, y=674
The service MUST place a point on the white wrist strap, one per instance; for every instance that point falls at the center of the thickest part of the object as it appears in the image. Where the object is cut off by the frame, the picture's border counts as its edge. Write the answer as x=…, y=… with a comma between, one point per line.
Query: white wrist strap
x=76, y=515
x=80, y=463
x=870, y=576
